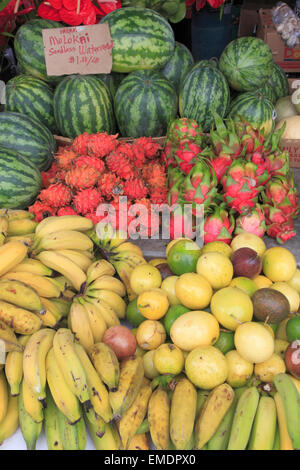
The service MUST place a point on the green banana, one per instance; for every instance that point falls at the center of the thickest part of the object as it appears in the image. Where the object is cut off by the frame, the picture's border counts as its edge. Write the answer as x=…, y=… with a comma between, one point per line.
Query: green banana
x=144, y=427
x=110, y=439
x=201, y=398
x=29, y=428
x=243, y=419
x=291, y=403
x=51, y=412
x=264, y=426
x=73, y=436
x=276, y=444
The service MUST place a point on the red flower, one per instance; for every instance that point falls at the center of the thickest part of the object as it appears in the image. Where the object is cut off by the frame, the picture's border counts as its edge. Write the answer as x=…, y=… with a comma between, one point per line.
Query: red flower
x=200, y=4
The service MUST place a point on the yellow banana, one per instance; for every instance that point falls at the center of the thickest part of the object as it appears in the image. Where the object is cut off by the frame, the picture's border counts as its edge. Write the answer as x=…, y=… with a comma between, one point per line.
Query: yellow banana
x=108, y=441
x=134, y=416
x=139, y=442
x=99, y=268
x=8, y=338
x=27, y=240
x=32, y=405
x=20, y=320
x=97, y=390
x=264, y=425
x=33, y=266
x=41, y=284
x=73, y=436
x=62, y=305
x=52, y=314
x=21, y=227
x=157, y=261
x=213, y=411
x=10, y=423
x=96, y=320
x=61, y=282
x=80, y=325
x=4, y=393
x=285, y=440
x=112, y=299
x=65, y=222
x=108, y=314
x=20, y=294
x=109, y=237
x=183, y=413
x=63, y=397
x=110, y=283
x=3, y=228
x=63, y=240
x=52, y=431
x=30, y=429
x=14, y=367
x=16, y=214
x=71, y=271
x=34, y=361
x=130, y=381
x=106, y=364
x=159, y=419
x=11, y=254
x=78, y=257
x=71, y=367
x=128, y=246
x=124, y=271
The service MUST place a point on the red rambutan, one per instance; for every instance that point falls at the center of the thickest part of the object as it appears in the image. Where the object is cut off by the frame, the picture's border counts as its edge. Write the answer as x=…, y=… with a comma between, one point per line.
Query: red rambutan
x=80, y=143
x=110, y=185
x=82, y=178
x=49, y=176
x=65, y=157
x=151, y=148
x=67, y=210
x=41, y=210
x=87, y=160
x=121, y=165
x=56, y=195
x=135, y=189
x=87, y=200
x=101, y=144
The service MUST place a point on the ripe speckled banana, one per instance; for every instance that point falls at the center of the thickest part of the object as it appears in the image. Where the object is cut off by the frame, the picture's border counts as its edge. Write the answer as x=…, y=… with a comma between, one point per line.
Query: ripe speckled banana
x=11, y=254
x=21, y=227
x=130, y=381
x=111, y=298
x=63, y=397
x=71, y=271
x=8, y=337
x=78, y=257
x=33, y=266
x=52, y=314
x=14, y=367
x=20, y=294
x=51, y=413
x=30, y=429
x=4, y=394
x=213, y=411
x=183, y=413
x=99, y=268
x=16, y=214
x=79, y=324
x=41, y=284
x=109, y=440
x=67, y=222
x=10, y=423
x=285, y=440
x=134, y=416
x=96, y=320
x=108, y=314
x=109, y=283
x=34, y=361
x=264, y=426
x=106, y=364
x=139, y=442
x=20, y=320
x=70, y=365
x=159, y=419
x=73, y=436
x=32, y=405
x=3, y=228
x=63, y=240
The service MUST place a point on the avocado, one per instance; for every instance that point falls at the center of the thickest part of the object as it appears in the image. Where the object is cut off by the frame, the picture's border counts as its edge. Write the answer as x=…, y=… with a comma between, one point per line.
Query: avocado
x=270, y=305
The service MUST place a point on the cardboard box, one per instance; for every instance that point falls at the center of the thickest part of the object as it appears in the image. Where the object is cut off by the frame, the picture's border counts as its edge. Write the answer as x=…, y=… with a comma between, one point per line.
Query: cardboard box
x=293, y=147
x=249, y=16
x=288, y=58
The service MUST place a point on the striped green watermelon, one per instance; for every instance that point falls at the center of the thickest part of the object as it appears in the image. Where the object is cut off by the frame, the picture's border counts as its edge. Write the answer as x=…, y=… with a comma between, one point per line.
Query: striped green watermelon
x=20, y=180
x=83, y=103
x=29, y=48
x=247, y=63
x=203, y=92
x=279, y=82
x=179, y=65
x=27, y=136
x=267, y=91
x=255, y=108
x=112, y=80
x=145, y=103
x=143, y=39
x=31, y=96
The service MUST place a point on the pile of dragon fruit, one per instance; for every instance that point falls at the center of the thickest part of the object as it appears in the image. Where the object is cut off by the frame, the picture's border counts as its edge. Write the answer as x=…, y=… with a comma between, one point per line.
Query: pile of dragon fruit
x=242, y=178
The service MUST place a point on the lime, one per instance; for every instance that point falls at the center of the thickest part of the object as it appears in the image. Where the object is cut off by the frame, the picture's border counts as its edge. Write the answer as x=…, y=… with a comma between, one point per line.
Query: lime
x=293, y=328
x=133, y=315
x=172, y=314
x=225, y=342
x=183, y=256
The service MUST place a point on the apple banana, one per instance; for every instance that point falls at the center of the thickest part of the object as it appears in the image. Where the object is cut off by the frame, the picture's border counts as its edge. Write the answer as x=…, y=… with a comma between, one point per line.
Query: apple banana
x=109, y=283
x=32, y=405
x=16, y=214
x=11, y=254
x=73, y=436
x=51, y=412
x=20, y=294
x=14, y=367
x=78, y=257
x=111, y=298
x=159, y=419
x=42, y=285
x=10, y=423
x=106, y=364
x=30, y=429
x=183, y=413
x=67, y=222
x=139, y=442
x=108, y=441
x=20, y=320
x=108, y=314
x=99, y=268
x=264, y=426
x=33, y=266
x=4, y=394
x=9, y=339
x=96, y=320
x=3, y=228
x=63, y=240
x=79, y=324
x=285, y=440
x=21, y=227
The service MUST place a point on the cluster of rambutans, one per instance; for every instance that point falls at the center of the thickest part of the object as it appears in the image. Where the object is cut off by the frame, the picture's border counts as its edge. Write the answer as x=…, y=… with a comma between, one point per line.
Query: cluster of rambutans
x=99, y=168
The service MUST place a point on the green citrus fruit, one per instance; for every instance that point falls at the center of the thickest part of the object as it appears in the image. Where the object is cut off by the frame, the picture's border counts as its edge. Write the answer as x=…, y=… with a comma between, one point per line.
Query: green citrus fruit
x=133, y=315
x=293, y=328
x=183, y=256
x=172, y=314
x=225, y=342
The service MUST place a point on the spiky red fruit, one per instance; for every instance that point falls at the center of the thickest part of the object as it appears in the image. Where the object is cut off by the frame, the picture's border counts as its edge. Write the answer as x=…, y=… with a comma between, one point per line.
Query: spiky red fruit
x=151, y=148
x=101, y=144
x=49, y=176
x=121, y=165
x=67, y=210
x=64, y=157
x=135, y=189
x=82, y=178
x=110, y=185
x=87, y=200
x=56, y=195
x=41, y=210
x=87, y=160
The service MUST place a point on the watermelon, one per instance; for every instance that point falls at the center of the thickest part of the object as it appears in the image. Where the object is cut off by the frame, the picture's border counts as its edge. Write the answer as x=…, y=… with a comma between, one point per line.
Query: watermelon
x=20, y=180
x=29, y=48
x=112, y=80
x=247, y=63
x=27, y=136
x=279, y=82
x=179, y=65
x=143, y=39
x=145, y=103
x=267, y=91
x=83, y=103
x=31, y=96
x=203, y=92
x=255, y=108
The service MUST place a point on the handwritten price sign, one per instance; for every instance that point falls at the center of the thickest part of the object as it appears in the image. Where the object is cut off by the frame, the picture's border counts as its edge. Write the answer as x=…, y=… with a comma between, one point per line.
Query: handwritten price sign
x=78, y=50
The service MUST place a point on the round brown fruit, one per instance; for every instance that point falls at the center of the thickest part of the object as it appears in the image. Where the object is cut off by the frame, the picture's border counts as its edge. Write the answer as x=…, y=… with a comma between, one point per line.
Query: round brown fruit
x=121, y=340
x=164, y=270
x=246, y=262
x=292, y=358
x=270, y=304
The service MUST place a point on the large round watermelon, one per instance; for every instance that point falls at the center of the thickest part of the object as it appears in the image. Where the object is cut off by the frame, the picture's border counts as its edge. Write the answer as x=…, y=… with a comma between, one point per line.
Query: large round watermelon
x=29, y=48
x=247, y=63
x=27, y=136
x=112, y=80
x=179, y=65
x=31, y=96
x=204, y=91
x=145, y=103
x=20, y=180
x=279, y=82
x=83, y=103
x=255, y=108
x=143, y=39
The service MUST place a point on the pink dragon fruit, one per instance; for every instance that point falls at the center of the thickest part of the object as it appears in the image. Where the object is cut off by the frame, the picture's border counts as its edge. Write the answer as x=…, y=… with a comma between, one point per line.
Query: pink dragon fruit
x=252, y=221
x=186, y=155
x=200, y=185
x=251, y=139
x=183, y=129
x=262, y=170
x=167, y=155
x=219, y=226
